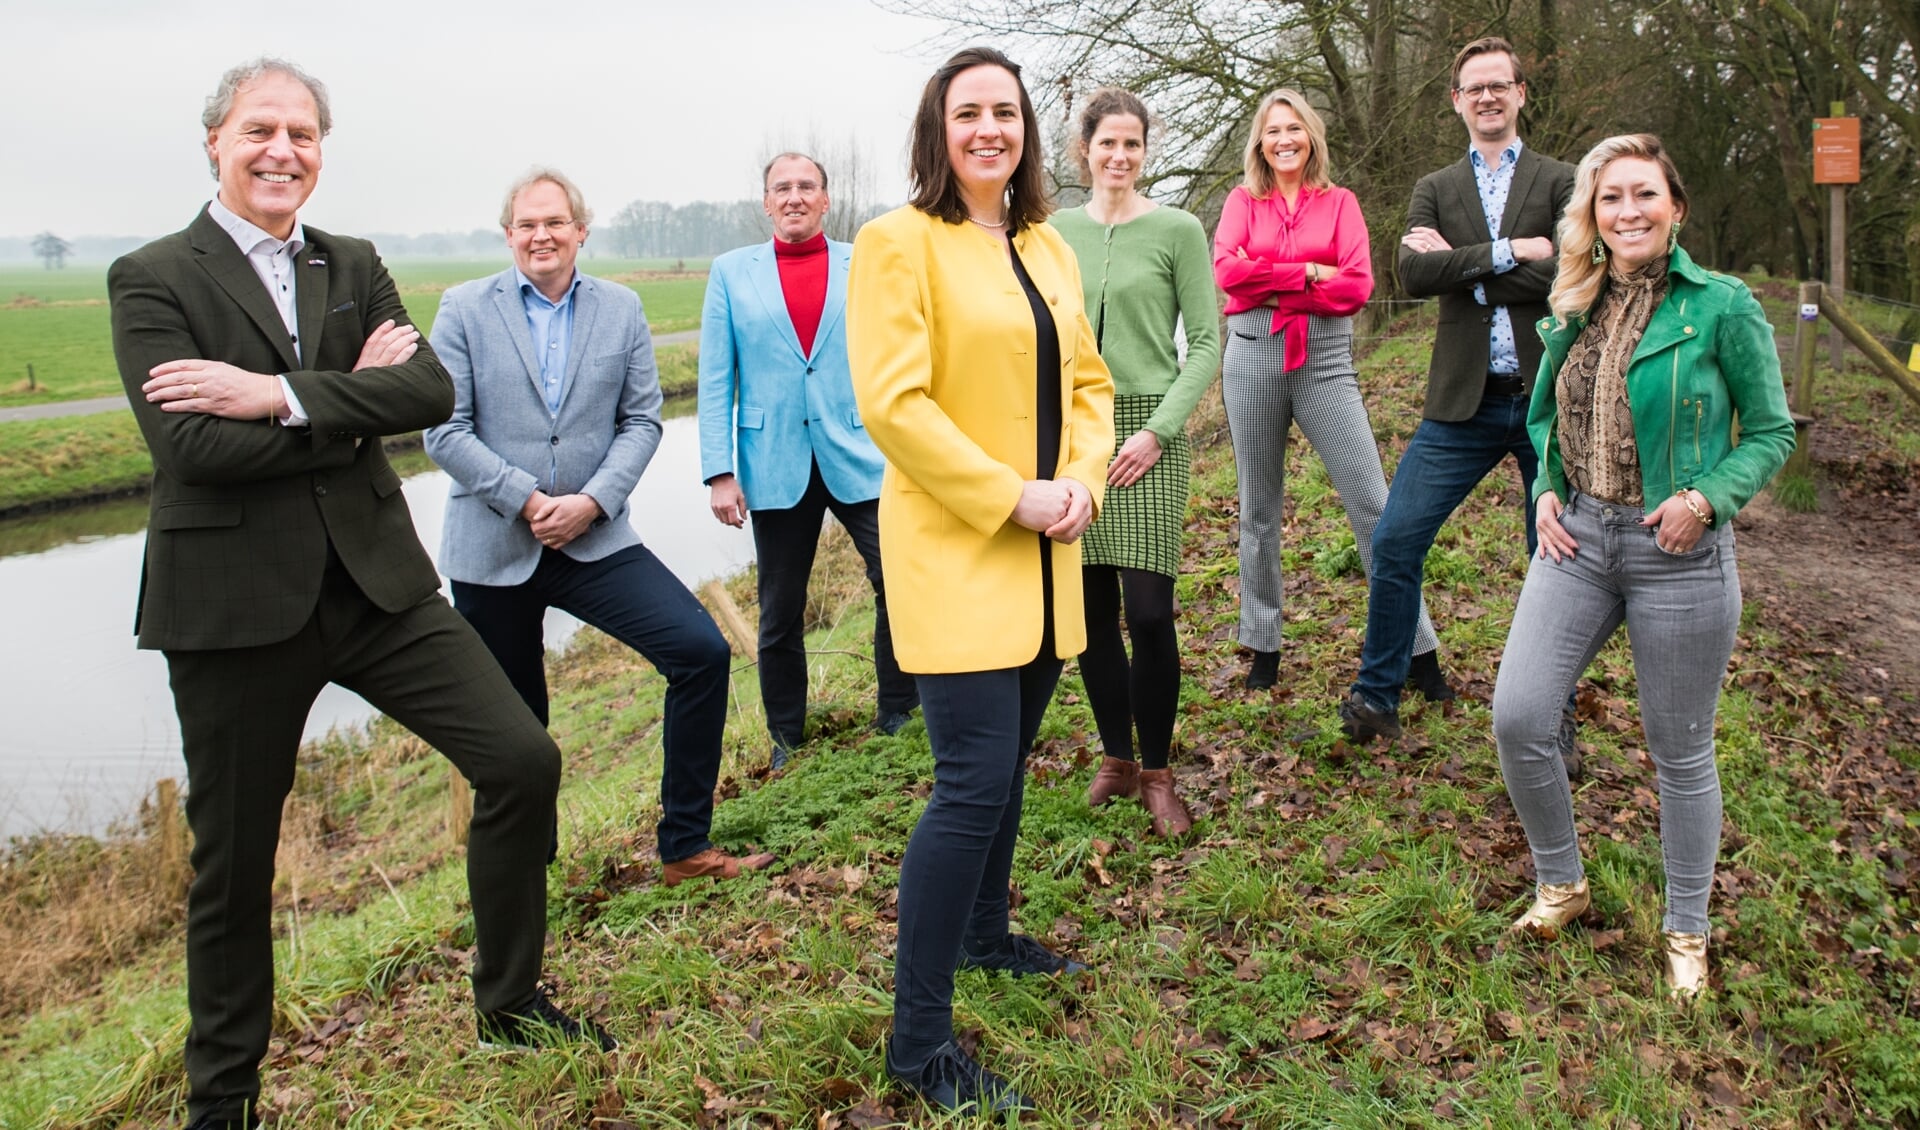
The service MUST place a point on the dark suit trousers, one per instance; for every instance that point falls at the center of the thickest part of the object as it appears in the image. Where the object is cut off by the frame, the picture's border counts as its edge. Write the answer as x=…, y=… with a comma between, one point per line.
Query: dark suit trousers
x=241, y=715
x=632, y=597
x=784, y=542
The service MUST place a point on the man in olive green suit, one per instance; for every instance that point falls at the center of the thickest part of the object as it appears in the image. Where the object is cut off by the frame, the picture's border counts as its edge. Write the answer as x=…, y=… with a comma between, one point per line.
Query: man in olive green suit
x=264, y=362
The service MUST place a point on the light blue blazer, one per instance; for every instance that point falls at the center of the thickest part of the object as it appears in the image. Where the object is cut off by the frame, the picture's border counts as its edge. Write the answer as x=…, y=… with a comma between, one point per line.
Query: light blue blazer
x=784, y=406
x=502, y=443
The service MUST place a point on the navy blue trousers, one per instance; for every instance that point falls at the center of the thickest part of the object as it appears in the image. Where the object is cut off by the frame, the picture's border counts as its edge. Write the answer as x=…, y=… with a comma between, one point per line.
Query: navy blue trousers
x=635, y=599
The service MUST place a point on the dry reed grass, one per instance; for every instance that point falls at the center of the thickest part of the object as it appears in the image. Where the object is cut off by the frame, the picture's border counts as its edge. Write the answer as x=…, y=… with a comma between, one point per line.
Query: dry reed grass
x=366, y=810
x=72, y=907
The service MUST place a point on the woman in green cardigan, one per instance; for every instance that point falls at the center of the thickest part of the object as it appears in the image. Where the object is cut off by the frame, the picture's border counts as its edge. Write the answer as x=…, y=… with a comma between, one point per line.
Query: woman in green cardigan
x=1648, y=361
x=1147, y=273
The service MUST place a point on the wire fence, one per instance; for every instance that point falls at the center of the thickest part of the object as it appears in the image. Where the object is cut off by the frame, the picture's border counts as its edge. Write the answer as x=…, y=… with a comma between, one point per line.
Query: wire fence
x=1896, y=324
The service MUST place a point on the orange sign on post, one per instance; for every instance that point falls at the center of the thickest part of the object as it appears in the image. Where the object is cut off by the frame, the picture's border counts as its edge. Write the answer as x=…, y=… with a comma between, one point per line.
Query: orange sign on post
x=1836, y=150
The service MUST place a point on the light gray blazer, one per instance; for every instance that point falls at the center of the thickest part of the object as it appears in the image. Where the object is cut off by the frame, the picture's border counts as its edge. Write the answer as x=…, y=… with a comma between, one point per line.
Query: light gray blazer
x=502, y=443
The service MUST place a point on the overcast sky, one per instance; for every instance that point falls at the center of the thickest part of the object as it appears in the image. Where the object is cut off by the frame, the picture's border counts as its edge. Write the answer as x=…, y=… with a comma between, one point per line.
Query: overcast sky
x=437, y=105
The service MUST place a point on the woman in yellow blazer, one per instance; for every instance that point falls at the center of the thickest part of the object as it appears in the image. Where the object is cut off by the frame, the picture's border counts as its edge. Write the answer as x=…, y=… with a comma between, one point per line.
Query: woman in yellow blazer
x=976, y=375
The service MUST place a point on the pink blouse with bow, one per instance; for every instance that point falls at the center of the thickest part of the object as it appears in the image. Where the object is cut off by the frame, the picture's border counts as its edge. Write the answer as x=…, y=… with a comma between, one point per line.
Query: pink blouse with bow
x=1323, y=226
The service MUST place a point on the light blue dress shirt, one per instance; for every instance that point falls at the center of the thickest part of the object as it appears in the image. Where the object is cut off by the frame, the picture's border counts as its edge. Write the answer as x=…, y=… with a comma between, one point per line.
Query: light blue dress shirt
x=1495, y=185
x=551, y=324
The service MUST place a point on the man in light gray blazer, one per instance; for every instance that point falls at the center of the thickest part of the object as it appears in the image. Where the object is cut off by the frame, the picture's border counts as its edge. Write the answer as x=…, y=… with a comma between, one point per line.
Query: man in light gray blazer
x=556, y=413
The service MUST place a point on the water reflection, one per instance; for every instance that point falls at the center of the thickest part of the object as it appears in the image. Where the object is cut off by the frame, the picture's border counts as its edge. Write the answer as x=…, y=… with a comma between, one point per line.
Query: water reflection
x=90, y=723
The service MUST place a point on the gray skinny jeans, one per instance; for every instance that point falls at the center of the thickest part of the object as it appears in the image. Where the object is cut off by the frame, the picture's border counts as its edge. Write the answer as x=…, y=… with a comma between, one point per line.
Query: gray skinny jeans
x=1681, y=613
x=1263, y=402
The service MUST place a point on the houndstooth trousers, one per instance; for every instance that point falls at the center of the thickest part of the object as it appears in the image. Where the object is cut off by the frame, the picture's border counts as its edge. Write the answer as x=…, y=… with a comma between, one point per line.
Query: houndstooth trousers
x=1263, y=400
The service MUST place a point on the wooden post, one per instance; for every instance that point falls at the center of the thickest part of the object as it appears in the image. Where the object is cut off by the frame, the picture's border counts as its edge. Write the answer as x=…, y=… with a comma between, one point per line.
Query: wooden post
x=745, y=640
x=459, y=807
x=1806, y=344
x=171, y=835
x=30, y=385
x=1876, y=353
x=1837, y=261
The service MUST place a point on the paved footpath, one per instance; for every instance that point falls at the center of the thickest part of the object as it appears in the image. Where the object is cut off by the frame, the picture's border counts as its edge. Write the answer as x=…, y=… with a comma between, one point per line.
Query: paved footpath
x=117, y=403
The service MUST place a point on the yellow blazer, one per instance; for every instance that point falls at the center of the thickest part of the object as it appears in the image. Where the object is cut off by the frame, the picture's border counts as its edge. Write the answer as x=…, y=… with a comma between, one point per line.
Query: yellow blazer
x=940, y=338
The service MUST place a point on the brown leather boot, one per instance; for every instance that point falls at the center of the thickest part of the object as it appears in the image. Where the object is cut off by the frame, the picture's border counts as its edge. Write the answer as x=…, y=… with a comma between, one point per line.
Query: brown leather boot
x=1115, y=777
x=1170, y=815
x=712, y=864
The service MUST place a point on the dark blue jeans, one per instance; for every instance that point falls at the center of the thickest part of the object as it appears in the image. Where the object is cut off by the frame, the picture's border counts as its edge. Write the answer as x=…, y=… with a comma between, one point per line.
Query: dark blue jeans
x=954, y=875
x=635, y=599
x=1443, y=463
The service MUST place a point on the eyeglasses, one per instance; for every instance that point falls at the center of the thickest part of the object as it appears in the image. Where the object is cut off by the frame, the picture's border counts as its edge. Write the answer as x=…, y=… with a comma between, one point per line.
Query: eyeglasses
x=803, y=187
x=1497, y=89
x=554, y=226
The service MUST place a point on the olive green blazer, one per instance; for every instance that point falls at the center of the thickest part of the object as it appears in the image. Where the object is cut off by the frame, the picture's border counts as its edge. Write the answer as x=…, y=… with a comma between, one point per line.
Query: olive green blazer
x=243, y=511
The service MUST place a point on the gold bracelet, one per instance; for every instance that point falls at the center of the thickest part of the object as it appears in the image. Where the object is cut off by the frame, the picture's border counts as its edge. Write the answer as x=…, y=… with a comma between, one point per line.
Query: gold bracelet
x=1693, y=508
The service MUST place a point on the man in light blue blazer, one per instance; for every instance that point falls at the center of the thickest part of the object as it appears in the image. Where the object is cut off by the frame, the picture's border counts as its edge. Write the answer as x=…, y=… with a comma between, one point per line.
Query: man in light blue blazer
x=781, y=439
x=556, y=413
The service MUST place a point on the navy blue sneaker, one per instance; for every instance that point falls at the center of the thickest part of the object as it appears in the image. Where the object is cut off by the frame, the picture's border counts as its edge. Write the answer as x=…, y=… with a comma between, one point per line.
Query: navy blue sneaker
x=1021, y=956
x=953, y=1081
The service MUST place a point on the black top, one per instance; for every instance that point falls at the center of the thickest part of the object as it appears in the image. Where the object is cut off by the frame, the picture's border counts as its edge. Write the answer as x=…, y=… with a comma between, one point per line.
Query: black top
x=1047, y=422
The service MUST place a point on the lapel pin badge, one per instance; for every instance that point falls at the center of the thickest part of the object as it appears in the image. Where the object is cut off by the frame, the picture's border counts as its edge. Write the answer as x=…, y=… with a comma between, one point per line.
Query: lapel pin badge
x=316, y=262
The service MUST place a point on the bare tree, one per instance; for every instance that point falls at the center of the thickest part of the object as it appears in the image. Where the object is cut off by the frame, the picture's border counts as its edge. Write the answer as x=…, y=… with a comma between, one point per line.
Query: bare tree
x=52, y=250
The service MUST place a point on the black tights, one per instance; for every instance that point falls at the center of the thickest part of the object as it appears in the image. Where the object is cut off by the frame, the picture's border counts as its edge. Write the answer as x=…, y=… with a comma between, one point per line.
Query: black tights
x=1146, y=691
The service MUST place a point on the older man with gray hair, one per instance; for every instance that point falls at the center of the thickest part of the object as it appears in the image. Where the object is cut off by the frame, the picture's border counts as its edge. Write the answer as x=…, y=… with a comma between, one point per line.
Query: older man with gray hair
x=556, y=413
x=264, y=361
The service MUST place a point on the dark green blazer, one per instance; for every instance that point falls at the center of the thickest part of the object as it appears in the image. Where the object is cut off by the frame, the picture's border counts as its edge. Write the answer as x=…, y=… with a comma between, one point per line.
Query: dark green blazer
x=243, y=511
x=1448, y=201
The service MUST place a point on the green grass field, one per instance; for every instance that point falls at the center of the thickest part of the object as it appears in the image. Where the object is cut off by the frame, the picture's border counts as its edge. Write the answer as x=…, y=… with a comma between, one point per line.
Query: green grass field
x=58, y=321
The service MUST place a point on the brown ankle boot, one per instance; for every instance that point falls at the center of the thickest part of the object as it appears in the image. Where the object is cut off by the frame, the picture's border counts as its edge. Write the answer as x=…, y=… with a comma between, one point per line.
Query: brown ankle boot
x=1115, y=777
x=1170, y=816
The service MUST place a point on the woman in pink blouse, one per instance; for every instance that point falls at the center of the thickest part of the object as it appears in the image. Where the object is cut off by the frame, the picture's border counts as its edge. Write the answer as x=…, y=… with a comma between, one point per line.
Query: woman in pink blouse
x=1291, y=252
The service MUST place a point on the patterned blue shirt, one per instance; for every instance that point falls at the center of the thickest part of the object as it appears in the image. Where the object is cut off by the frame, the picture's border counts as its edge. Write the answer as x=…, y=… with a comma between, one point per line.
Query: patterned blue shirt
x=1495, y=184
x=551, y=325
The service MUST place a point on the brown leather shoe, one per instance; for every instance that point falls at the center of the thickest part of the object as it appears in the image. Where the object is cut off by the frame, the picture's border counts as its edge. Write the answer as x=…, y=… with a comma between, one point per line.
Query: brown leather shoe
x=1115, y=777
x=1170, y=815
x=712, y=864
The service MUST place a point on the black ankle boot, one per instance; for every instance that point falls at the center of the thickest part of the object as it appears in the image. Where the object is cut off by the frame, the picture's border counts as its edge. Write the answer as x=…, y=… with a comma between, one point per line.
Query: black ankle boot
x=1265, y=671
x=1426, y=677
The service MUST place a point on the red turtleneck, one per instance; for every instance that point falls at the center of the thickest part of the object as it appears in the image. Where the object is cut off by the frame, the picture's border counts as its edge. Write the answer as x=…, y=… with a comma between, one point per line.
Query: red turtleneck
x=803, y=280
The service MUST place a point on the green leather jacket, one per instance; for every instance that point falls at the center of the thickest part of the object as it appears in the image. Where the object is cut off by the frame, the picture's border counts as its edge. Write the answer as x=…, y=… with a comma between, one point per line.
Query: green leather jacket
x=1707, y=356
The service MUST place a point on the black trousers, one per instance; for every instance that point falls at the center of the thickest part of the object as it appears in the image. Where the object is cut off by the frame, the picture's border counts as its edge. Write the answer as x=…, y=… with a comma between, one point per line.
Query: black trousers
x=784, y=543
x=954, y=876
x=241, y=714
x=635, y=599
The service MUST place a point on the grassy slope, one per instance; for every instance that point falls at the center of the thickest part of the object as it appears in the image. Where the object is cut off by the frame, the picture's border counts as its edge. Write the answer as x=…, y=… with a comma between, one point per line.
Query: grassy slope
x=1324, y=951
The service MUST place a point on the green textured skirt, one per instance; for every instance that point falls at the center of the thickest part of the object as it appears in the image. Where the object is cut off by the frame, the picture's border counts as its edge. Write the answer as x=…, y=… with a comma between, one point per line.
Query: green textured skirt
x=1140, y=526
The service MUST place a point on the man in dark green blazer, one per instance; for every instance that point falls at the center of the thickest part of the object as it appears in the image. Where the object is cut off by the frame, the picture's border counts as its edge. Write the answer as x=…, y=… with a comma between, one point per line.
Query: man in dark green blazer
x=1480, y=238
x=264, y=361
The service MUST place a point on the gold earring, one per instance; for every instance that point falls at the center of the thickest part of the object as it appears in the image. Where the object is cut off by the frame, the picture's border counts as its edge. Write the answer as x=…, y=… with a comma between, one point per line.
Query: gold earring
x=1673, y=236
x=1599, y=250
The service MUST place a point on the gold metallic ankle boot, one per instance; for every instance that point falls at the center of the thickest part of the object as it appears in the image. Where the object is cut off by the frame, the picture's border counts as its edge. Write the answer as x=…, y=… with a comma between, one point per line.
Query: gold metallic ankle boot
x=1686, y=964
x=1554, y=905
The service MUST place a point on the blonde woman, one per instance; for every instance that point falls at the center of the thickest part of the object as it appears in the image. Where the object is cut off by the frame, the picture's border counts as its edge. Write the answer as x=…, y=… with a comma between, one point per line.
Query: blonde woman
x=1648, y=360
x=1291, y=253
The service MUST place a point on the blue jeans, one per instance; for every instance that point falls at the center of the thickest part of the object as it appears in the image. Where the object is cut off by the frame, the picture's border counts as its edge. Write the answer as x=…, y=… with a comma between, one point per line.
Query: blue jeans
x=1681, y=613
x=1444, y=461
